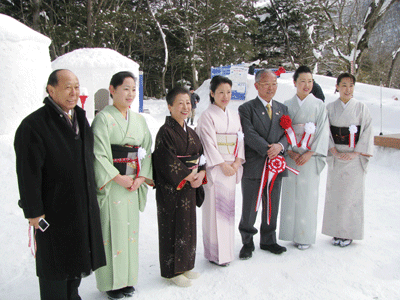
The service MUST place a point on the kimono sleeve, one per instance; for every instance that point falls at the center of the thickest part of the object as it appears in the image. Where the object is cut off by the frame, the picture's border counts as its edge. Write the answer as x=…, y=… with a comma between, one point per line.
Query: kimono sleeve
x=365, y=144
x=321, y=140
x=165, y=161
x=103, y=166
x=208, y=137
x=146, y=169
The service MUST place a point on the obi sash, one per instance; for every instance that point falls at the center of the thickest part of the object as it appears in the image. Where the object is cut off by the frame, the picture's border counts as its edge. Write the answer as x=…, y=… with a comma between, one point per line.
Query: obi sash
x=125, y=159
x=341, y=135
x=192, y=162
x=227, y=143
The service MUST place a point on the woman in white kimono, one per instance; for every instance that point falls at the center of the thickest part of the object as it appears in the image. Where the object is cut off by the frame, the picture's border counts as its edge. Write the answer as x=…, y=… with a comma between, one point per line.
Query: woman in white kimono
x=221, y=134
x=121, y=188
x=300, y=192
x=350, y=148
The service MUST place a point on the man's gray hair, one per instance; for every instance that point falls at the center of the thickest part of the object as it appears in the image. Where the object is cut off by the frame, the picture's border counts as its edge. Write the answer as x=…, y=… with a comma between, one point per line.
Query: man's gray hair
x=261, y=72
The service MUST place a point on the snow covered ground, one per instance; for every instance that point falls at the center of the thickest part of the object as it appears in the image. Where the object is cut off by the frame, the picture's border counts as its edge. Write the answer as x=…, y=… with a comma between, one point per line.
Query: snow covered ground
x=368, y=269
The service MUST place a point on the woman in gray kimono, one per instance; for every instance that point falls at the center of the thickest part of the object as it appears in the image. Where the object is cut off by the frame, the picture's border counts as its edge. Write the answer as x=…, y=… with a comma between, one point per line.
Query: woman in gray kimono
x=350, y=148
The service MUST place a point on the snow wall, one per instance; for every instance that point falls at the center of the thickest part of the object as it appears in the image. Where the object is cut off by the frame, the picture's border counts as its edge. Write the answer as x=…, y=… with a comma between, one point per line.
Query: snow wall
x=25, y=65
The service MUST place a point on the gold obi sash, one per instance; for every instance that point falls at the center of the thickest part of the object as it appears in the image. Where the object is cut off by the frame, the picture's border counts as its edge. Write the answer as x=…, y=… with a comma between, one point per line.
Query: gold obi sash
x=226, y=143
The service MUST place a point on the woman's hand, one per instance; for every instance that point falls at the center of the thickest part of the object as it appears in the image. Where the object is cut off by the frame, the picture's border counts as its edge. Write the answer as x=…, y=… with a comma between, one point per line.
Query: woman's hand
x=136, y=183
x=348, y=155
x=344, y=155
x=236, y=164
x=227, y=169
x=198, y=179
x=304, y=158
x=293, y=155
x=124, y=181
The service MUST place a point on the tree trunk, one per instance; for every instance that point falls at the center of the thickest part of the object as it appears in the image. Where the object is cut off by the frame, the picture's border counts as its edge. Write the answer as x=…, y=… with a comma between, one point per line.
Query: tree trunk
x=164, y=71
x=90, y=23
x=36, y=14
x=395, y=57
x=374, y=14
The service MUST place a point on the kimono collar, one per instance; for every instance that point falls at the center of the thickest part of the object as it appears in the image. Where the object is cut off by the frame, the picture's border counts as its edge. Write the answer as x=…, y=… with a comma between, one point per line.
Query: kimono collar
x=170, y=121
x=347, y=104
x=218, y=109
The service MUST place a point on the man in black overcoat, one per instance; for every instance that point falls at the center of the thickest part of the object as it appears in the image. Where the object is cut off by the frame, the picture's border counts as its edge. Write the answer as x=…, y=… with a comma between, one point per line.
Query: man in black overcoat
x=264, y=137
x=54, y=155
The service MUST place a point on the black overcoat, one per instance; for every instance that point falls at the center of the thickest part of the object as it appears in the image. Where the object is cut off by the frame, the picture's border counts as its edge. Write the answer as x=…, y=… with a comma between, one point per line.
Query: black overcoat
x=56, y=178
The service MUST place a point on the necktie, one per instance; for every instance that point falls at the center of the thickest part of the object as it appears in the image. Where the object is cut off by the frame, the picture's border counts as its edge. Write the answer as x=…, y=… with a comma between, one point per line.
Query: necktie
x=269, y=111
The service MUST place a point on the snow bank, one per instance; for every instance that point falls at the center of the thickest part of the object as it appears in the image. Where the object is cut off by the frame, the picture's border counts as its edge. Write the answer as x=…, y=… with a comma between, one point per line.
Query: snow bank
x=94, y=68
x=25, y=67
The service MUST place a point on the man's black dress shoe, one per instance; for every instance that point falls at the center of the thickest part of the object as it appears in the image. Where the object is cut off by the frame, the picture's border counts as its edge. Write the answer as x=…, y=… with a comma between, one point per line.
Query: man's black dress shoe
x=246, y=251
x=273, y=248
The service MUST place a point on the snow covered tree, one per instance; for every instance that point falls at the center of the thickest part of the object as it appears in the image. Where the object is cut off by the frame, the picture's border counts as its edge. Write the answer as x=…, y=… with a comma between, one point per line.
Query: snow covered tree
x=352, y=23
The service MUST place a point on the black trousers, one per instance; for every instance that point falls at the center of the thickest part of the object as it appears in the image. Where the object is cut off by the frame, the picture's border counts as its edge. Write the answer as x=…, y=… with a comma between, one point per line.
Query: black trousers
x=59, y=290
x=250, y=189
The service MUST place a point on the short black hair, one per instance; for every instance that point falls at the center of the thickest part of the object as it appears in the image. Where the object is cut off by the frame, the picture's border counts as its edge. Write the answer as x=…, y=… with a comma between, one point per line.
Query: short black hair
x=177, y=90
x=215, y=82
x=53, y=78
x=118, y=78
x=345, y=75
x=300, y=70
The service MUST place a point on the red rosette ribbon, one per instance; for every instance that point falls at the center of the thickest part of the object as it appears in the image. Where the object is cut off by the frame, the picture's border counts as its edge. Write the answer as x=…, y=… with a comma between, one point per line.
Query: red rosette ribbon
x=271, y=170
x=286, y=123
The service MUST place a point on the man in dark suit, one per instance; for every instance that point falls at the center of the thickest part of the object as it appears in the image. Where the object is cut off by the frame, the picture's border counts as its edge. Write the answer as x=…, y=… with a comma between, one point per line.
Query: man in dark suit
x=264, y=137
x=54, y=150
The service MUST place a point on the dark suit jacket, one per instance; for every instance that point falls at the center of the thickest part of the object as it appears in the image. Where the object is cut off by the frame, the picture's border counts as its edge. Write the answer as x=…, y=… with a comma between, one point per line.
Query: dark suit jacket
x=259, y=132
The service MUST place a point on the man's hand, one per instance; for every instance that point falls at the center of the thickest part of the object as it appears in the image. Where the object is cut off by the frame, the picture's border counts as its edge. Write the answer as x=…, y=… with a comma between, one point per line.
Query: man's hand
x=35, y=221
x=274, y=150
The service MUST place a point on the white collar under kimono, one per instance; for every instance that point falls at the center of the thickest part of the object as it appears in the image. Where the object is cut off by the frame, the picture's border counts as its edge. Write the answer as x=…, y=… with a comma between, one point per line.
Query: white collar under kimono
x=343, y=104
x=300, y=102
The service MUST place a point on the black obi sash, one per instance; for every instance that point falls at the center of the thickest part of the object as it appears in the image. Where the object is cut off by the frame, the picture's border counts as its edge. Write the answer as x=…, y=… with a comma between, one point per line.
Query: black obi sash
x=125, y=159
x=192, y=162
x=341, y=135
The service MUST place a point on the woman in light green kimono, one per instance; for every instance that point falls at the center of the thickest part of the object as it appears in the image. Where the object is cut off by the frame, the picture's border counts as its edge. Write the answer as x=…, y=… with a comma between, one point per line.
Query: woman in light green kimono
x=121, y=196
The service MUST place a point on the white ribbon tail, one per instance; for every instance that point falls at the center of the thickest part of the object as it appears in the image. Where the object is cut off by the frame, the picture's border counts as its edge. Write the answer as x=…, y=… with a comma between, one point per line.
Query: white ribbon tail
x=268, y=204
x=293, y=170
x=352, y=139
x=291, y=136
x=305, y=140
x=262, y=185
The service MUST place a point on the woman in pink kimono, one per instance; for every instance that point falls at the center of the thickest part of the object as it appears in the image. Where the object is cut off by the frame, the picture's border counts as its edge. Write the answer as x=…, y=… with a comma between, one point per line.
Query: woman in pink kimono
x=221, y=134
